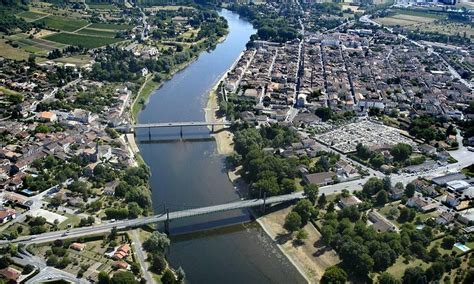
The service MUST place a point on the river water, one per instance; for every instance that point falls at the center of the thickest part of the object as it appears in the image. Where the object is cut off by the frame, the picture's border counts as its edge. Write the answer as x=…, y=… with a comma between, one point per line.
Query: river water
x=188, y=173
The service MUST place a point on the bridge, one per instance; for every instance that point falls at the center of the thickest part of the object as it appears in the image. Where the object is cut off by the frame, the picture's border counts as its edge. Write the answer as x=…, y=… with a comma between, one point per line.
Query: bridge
x=166, y=217
x=129, y=128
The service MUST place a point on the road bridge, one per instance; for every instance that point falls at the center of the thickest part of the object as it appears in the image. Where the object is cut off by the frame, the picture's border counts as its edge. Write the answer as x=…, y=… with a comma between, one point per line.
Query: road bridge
x=130, y=128
x=166, y=217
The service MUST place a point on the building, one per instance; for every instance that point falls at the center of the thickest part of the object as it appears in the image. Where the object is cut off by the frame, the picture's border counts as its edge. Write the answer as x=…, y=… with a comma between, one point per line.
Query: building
x=120, y=265
x=7, y=215
x=380, y=223
x=319, y=179
x=349, y=201
x=47, y=116
x=78, y=246
x=122, y=252
x=457, y=185
x=444, y=218
x=11, y=274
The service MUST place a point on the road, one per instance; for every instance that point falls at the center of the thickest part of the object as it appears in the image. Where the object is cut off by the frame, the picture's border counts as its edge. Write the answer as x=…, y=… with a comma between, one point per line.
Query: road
x=137, y=246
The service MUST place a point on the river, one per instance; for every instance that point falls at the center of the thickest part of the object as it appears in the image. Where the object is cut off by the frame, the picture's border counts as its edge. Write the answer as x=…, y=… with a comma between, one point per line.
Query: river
x=189, y=173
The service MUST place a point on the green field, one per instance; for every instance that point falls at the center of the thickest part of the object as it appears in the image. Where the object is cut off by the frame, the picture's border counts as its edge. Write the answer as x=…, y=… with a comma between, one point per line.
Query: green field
x=104, y=26
x=82, y=40
x=30, y=16
x=100, y=33
x=102, y=6
x=62, y=23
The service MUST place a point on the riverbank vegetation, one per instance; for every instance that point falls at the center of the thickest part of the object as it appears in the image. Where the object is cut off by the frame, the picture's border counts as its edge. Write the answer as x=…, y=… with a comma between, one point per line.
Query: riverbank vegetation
x=279, y=27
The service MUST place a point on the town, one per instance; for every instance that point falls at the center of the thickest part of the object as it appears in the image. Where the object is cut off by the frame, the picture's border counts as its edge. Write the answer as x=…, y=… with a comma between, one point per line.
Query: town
x=364, y=109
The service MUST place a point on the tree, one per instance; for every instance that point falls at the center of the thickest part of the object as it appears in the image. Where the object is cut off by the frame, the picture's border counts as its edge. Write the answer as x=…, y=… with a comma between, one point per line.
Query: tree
x=292, y=222
x=372, y=186
x=306, y=210
x=168, y=277
x=180, y=275
x=377, y=160
x=334, y=275
x=156, y=243
x=5, y=261
x=387, y=278
x=301, y=235
x=410, y=190
x=322, y=201
x=311, y=192
x=104, y=278
x=382, y=197
x=414, y=275
x=387, y=183
x=401, y=152
x=158, y=263
x=448, y=242
x=324, y=113
x=406, y=215
x=363, y=151
x=123, y=277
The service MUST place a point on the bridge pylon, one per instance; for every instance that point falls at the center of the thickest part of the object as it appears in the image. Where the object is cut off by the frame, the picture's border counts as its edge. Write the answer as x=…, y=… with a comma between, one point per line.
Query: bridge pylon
x=167, y=222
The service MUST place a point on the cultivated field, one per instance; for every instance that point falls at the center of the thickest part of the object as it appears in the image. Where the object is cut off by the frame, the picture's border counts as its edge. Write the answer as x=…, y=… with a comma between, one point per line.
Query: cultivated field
x=103, y=26
x=30, y=16
x=82, y=40
x=99, y=33
x=62, y=23
x=404, y=20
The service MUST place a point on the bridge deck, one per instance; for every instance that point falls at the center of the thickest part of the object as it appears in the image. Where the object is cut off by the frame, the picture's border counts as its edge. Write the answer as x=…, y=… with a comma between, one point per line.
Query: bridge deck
x=123, y=224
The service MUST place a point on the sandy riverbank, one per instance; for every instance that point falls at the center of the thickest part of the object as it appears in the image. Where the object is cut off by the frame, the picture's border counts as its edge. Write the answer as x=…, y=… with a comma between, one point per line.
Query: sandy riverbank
x=224, y=138
x=311, y=258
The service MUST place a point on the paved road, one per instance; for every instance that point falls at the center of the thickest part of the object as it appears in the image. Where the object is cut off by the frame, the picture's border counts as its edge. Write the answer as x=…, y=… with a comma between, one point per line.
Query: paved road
x=141, y=256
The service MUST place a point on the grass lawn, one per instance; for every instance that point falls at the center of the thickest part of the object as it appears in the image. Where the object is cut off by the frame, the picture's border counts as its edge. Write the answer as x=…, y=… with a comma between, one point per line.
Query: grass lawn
x=82, y=40
x=149, y=87
x=71, y=219
x=398, y=268
x=62, y=23
x=76, y=59
x=116, y=27
x=94, y=32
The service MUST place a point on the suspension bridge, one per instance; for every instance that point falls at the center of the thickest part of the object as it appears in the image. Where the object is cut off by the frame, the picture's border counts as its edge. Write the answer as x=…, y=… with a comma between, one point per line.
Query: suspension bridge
x=165, y=217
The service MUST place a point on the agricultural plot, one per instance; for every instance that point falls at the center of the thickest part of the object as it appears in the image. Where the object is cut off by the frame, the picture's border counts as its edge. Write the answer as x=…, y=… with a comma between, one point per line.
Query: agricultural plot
x=62, y=23
x=99, y=33
x=102, y=6
x=82, y=40
x=10, y=52
x=404, y=20
x=30, y=16
x=104, y=26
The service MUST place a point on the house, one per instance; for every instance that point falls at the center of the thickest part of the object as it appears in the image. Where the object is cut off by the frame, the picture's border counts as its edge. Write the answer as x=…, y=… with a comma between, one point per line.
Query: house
x=122, y=252
x=120, y=265
x=349, y=201
x=47, y=116
x=421, y=203
x=78, y=246
x=11, y=274
x=427, y=149
x=444, y=218
x=319, y=179
x=452, y=200
x=109, y=188
x=7, y=215
x=396, y=192
x=380, y=223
